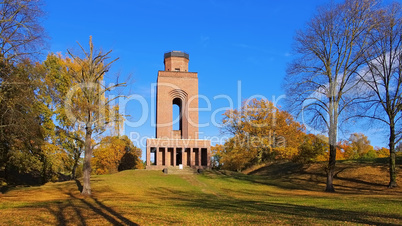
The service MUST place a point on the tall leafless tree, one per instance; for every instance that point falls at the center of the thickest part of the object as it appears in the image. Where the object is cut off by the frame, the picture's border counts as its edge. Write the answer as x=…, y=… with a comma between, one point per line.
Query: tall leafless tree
x=383, y=76
x=21, y=34
x=86, y=103
x=322, y=80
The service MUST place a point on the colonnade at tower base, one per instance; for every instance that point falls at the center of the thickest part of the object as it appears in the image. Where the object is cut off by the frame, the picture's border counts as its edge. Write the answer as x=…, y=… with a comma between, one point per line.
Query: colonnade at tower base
x=163, y=153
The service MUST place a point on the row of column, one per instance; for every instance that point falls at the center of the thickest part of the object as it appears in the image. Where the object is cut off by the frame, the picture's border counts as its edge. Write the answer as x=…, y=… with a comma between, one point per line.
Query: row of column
x=167, y=156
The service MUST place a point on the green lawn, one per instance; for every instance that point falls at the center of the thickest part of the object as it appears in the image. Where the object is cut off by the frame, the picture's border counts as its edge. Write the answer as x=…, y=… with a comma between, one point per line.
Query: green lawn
x=151, y=197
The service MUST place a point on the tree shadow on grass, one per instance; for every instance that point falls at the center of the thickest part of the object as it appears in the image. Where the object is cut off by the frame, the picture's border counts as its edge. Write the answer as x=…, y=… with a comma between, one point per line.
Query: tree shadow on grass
x=101, y=209
x=272, y=209
x=290, y=176
x=77, y=209
x=59, y=211
x=78, y=183
x=283, y=181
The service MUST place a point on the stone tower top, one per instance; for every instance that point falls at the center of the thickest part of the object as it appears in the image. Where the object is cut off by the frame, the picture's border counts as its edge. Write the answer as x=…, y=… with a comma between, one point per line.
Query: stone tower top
x=176, y=61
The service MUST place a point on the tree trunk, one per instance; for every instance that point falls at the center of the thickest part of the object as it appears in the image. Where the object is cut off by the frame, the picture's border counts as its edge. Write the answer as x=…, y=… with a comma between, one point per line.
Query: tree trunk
x=392, y=170
x=76, y=160
x=5, y=166
x=74, y=170
x=87, y=163
x=331, y=163
x=6, y=173
x=333, y=124
x=44, y=169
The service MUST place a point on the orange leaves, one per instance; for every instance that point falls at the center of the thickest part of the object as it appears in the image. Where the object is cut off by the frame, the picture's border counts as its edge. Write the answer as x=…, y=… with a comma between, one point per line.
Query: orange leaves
x=382, y=152
x=261, y=132
x=358, y=146
x=108, y=156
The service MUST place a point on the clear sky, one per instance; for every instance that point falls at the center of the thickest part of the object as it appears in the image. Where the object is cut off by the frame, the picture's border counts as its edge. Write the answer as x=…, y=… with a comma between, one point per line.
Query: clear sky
x=230, y=42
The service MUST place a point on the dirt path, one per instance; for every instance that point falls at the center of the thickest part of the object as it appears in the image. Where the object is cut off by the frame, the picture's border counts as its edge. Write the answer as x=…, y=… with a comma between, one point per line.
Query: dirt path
x=193, y=180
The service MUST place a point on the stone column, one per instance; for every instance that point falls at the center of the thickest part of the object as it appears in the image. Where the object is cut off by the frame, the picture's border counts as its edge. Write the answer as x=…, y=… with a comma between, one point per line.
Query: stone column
x=159, y=157
x=199, y=156
x=192, y=154
x=189, y=156
x=148, y=156
x=167, y=159
x=174, y=156
x=156, y=156
x=184, y=157
x=208, y=157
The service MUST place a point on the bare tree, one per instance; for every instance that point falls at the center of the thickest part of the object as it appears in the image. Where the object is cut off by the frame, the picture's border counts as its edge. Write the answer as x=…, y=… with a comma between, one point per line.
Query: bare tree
x=322, y=80
x=21, y=34
x=383, y=76
x=86, y=103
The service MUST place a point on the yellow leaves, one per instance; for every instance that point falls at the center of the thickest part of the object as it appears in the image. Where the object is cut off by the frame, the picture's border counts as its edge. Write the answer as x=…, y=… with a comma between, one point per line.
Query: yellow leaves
x=107, y=157
x=285, y=152
x=79, y=93
x=358, y=146
x=382, y=152
x=261, y=132
x=55, y=156
x=313, y=148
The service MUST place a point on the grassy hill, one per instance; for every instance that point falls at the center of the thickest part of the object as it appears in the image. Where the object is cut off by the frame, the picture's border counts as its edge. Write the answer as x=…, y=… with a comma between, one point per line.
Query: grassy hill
x=282, y=193
x=361, y=177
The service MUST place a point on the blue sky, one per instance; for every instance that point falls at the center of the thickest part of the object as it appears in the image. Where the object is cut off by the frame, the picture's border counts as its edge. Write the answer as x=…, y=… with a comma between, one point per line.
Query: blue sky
x=230, y=42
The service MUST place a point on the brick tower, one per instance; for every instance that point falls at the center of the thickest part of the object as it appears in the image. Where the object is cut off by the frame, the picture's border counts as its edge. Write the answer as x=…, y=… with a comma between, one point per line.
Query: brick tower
x=177, y=86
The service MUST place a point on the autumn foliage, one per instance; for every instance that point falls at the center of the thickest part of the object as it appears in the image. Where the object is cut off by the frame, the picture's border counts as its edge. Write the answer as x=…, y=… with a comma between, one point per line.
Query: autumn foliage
x=263, y=133
x=116, y=154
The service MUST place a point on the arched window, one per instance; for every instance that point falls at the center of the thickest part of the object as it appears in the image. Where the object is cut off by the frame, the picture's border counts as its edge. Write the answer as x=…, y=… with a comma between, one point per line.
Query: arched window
x=177, y=116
